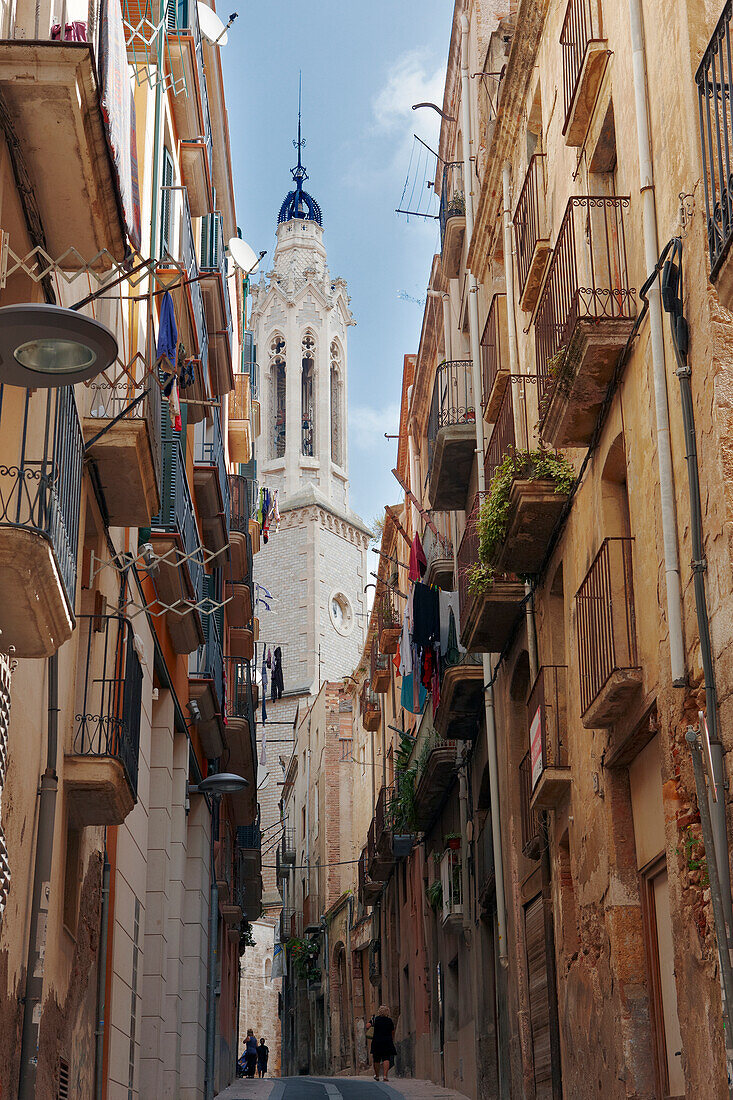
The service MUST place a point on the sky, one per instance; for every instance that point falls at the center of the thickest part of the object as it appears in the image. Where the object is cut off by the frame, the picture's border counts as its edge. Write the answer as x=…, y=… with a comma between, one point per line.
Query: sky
x=363, y=66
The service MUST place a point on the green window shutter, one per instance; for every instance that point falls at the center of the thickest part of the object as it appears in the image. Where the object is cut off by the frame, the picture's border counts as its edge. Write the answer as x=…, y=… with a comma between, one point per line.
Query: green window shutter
x=166, y=203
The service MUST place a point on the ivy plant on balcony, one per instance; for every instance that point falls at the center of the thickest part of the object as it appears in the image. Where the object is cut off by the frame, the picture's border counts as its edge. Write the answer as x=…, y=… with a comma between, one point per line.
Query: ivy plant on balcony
x=493, y=517
x=403, y=805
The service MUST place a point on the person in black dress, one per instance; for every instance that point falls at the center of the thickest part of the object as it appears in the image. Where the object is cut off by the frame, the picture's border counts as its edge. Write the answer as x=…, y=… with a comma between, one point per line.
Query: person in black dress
x=383, y=1048
x=263, y=1053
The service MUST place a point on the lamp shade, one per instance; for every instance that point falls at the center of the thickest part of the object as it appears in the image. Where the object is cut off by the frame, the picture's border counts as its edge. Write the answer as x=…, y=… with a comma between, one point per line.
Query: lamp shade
x=222, y=783
x=43, y=346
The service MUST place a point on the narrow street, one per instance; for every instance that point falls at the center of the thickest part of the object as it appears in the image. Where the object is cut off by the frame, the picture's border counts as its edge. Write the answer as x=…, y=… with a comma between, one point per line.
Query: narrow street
x=336, y=1088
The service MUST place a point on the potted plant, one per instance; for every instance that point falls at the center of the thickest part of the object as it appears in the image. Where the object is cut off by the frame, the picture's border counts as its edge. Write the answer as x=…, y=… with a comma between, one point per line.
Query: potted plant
x=453, y=841
x=434, y=894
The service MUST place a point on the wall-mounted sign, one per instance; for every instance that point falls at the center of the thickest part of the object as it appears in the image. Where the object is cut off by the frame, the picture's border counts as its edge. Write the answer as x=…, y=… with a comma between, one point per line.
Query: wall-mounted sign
x=535, y=746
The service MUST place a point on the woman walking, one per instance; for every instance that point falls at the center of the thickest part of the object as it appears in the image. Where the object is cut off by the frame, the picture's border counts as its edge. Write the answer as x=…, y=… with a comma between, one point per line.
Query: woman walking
x=383, y=1048
x=250, y=1053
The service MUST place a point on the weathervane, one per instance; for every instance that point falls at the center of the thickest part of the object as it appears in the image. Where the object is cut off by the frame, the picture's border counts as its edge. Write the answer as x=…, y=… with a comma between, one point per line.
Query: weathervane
x=299, y=173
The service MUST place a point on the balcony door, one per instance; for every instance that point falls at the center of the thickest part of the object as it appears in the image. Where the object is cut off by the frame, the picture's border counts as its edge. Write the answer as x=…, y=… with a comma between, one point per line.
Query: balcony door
x=539, y=1008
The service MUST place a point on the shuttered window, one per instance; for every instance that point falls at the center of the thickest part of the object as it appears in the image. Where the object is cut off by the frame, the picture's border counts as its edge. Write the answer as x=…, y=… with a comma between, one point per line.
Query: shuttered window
x=166, y=201
x=539, y=1013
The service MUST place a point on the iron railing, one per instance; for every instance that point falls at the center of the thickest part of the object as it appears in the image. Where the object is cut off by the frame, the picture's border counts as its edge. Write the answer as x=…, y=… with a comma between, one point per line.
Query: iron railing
x=587, y=278
x=239, y=503
x=452, y=196
x=240, y=398
x=378, y=661
x=530, y=222
x=238, y=694
x=436, y=547
x=176, y=506
x=511, y=435
x=214, y=258
x=494, y=353
x=383, y=812
x=714, y=79
x=452, y=399
x=288, y=844
x=387, y=614
x=547, y=707
x=531, y=823
x=113, y=390
x=209, y=451
x=370, y=705
x=189, y=261
x=43, y=492
x=606, y=619
x=583, y=25
x=249, y=836
x=110, y=677
x=467, y=556
x=208, y=660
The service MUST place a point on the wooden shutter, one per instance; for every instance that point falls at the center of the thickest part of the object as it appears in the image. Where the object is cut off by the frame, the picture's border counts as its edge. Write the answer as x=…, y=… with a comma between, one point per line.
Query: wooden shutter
x=534, y=938
x=166, y=201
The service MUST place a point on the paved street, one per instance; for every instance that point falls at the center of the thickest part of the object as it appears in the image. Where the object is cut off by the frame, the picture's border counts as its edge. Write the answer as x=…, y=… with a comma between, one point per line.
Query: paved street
x=336, y=1088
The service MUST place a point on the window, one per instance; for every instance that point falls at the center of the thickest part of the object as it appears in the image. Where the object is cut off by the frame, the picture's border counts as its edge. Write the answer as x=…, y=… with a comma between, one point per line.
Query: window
x=277, y=395
x=307, y=382
x=268, y=971
x=166, y=203
x=336, y=402
x=341, y=614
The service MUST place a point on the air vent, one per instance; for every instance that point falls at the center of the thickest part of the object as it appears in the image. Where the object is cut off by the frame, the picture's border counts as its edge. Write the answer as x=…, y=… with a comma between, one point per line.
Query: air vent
x=62, y=1086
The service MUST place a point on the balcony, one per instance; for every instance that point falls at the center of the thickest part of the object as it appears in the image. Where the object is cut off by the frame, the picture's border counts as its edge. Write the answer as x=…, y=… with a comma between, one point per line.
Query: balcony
x=458, y=718
x=212, y=484
x=287, y=845
x=452, y=218
x=128, y=456
x=584, y=318
x=217, y=306
x=241, y=737
x=177, y=243
x=242, y=643
x=714, y=80
x=532, y=234
x=190, y=106
x=371, y=712
x=535, y=504
x=175, y=537
x=240, y=549
x=530, y=816
x=240, y=420
x=291, y=925
x=379, y=669
x=436, y=773
x=101, y=768
x=40, y=502
x=379, y=839
x=451, y=436
x=438, y=550
x=488, y=609
x=388, y=624
x=610, y=675
x=584, y=57
x=369, y=890
x=494, y=357
x=547, y=719
x=249, y=849
x=451, y=880
x=54, y=102
x=206, y=687
x=239, y=605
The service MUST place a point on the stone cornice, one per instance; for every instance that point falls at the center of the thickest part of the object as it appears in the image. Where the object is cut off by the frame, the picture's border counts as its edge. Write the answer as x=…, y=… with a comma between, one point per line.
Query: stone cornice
x=312, y=498
x=529, y=24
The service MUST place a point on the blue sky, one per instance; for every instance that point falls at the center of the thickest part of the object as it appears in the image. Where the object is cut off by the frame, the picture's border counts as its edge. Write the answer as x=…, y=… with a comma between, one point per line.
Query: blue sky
x=363, y=66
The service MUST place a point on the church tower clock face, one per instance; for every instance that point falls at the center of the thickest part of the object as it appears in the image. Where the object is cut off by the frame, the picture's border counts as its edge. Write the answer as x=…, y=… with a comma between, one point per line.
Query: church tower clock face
x=342, y=617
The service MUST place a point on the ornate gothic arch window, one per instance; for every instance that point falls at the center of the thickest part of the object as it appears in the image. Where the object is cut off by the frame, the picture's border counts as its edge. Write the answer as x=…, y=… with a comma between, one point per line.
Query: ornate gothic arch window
x=307, y=394
x=277, y=395
x=337, y=383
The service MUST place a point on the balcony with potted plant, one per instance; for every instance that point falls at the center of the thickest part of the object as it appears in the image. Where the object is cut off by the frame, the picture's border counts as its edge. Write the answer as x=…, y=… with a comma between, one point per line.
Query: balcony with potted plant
x=388, y=624
x=379, y=669
x=489, y=602
x=371, y=711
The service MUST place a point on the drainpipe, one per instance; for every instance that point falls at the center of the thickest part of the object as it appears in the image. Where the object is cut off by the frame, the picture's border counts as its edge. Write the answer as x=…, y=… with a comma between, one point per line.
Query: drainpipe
x=476, y=382
x=41, y=895
x=102, y=982
x=651, y=254
x=463, y=810
x=506, y=180
x=350, y=982
x=213, y=948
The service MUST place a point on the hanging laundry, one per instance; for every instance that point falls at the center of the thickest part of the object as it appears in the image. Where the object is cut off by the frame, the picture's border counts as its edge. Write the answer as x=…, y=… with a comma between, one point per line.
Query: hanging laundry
x=263, y=750
x=426, y=624
x=276, y=512
x=405, y=654
x=174, y=406
x=269, y=657
x=264, y=674
x=448, y=603
x=452, y=653
x=278, y=687
x=407, y=695
x=418, y=561
x=167, y=335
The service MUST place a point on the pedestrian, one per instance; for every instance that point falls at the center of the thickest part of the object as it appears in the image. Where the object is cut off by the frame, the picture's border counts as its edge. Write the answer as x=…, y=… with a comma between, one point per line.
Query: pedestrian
x=250, y=1053
x=383, y=1048
x=263, y=1053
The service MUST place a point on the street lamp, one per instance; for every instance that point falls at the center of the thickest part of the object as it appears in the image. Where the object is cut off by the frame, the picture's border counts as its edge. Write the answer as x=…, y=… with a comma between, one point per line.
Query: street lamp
x=216, y=785
x=44, y=346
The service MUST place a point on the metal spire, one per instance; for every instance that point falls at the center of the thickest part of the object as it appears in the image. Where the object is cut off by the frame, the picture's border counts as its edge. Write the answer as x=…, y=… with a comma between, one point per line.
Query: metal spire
x=299, y=173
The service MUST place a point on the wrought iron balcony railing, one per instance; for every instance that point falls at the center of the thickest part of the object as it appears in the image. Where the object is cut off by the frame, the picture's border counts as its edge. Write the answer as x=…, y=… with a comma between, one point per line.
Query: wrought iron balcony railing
x=452, y=402
x=547, y=706
x=452, y=196
x=494, y=352
x=606, y=619
x=531, y=827
x=587, y=279
x=210, y=452
x=239, y=503
x=512, y=433
x=250, y=836
x=208, y=660
x=582, y=26
x=530, y=224
x=176, y=514
x=176, y=209
x=213, y=258
x=714, y=79
x=108, y=721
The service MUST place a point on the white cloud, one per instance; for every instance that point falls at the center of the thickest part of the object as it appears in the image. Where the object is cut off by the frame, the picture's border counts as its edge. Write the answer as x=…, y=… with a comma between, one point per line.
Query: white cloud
x=367, y=425
x=412, y=80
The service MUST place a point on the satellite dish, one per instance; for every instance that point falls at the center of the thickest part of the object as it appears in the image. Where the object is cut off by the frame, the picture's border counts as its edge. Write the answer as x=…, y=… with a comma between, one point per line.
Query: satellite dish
x=244, y=257
x=211, y=25
x=263, y=778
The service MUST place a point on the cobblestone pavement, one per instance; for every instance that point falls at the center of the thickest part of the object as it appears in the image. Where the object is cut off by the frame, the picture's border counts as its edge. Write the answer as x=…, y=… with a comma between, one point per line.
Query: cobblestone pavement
x=336, y=1088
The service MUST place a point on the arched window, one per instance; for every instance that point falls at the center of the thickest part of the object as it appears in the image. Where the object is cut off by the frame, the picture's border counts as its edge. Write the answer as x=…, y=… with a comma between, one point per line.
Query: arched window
x=336, y=404
x=268, y=971
x=307, y=403
x=277, y=395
